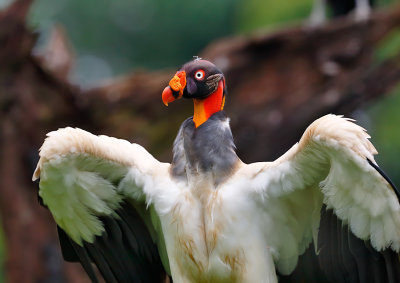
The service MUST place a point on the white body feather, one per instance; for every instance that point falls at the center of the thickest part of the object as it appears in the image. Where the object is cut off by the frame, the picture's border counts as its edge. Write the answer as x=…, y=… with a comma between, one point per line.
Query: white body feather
x=262, y=217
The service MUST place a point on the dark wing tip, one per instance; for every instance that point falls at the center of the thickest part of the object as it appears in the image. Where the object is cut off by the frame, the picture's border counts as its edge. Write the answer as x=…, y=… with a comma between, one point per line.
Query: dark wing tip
x=124, y=253
x=343, y=257
x=352, y=258
x=383, y=174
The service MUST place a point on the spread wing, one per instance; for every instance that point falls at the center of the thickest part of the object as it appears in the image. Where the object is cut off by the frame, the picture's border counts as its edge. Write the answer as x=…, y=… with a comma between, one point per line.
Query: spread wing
x=328, y=188
x=96, y=189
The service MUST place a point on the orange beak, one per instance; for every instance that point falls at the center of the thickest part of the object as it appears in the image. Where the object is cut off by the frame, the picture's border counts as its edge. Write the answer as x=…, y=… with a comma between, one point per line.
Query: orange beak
x=175, y=88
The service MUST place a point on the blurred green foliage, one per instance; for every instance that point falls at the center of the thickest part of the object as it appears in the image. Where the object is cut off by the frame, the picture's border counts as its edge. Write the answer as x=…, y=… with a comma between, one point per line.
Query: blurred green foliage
x=385, y=114
x=114, y=37
x=256, y=14
x=385, y=132
x=389, y=47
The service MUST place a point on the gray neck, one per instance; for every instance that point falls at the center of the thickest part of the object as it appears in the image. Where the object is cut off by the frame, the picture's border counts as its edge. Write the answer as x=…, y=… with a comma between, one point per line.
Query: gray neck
x=206, y=149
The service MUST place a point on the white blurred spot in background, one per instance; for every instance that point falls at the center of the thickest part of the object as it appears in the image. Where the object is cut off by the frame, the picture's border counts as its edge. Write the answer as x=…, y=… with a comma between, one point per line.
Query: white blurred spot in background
x=90, y=70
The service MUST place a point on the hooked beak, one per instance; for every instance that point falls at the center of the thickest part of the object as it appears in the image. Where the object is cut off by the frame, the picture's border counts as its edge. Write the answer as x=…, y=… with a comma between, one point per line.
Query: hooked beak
x=175, y=88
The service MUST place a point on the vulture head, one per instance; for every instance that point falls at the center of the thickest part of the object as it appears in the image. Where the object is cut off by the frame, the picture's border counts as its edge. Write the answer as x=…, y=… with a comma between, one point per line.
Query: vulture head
x=201, y=81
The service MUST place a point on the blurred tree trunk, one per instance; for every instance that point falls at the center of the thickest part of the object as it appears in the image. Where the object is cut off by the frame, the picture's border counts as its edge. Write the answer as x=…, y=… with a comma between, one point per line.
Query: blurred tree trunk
x=31, y=103
x=277, y=84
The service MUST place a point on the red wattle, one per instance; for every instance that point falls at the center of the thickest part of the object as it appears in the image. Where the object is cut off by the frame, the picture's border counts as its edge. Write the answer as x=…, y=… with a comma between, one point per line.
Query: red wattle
x=204, y=108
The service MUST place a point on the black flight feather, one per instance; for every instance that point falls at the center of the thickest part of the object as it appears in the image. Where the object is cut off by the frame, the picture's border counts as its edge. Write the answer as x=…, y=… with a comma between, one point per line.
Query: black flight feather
x=125, y=252
x=342, y=257
x=383, y=174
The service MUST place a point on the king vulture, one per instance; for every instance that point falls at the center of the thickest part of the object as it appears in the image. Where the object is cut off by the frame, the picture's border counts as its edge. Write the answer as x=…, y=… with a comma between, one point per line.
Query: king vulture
x=209, y=217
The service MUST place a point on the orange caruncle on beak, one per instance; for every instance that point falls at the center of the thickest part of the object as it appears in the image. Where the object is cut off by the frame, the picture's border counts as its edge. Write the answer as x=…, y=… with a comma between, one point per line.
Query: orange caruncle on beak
x=175, y=88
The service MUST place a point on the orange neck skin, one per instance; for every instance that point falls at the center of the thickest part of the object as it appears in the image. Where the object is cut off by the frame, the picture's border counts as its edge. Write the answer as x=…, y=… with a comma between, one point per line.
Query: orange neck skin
x=204, y=108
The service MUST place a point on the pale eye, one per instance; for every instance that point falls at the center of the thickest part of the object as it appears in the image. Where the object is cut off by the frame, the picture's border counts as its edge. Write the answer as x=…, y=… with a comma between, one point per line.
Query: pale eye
x=199, y=75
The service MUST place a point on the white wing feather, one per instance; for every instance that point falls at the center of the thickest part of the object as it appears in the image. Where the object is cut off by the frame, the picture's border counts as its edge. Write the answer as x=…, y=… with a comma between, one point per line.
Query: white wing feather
x=80, y=176
x=331, y=158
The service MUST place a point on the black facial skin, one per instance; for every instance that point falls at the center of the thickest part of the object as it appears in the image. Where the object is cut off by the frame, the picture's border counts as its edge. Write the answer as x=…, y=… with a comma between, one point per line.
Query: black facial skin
x=201, y=88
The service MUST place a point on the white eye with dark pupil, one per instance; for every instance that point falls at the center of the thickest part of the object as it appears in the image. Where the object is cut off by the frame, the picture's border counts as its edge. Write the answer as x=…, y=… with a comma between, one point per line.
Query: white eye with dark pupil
x=199, y=75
